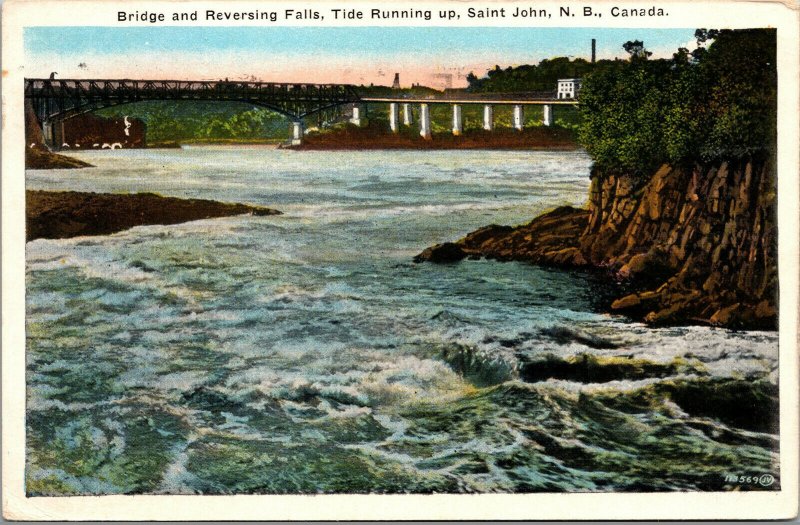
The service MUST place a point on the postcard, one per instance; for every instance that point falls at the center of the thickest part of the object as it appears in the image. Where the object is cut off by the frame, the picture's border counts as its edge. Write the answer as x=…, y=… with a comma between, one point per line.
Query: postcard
x=482, y=260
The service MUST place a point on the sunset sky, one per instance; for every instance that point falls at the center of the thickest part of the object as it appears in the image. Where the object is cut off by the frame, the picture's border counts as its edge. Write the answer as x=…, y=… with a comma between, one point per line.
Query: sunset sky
x=358, y=55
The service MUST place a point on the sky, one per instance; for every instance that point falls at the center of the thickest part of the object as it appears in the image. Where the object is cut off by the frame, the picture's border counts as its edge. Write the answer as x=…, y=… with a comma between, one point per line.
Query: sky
x=357, y=55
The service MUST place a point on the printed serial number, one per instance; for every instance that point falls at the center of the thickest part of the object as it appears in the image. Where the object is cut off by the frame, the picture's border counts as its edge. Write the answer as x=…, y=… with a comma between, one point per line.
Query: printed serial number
x=765, y=480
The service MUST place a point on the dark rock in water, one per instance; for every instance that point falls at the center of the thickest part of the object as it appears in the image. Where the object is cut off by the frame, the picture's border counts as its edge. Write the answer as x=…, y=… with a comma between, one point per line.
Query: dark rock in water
x=480, y=369
x=752, y=405
x=564, y=335
x=586, y=368
x=442, y=253
x=207, y=399
x=64, y=214
x=740, y=403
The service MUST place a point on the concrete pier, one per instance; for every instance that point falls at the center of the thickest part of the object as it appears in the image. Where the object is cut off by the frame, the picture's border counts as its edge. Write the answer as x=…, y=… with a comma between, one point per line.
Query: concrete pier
x=425, y=121
x=408, y=118
x=547, y=115
x=47, y=132
x=519, y=118
x=297, y=132
x=488, y=117
x=394, y=117
x=458, y=120
x=53, y=134
x=356, y=118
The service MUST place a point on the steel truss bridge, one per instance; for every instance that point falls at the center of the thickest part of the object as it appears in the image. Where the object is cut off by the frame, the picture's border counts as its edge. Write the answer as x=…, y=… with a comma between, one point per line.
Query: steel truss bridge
x=62, y=99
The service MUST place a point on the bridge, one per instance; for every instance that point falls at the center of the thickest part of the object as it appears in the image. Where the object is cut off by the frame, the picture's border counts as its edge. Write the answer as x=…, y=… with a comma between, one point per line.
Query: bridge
x=54, y=101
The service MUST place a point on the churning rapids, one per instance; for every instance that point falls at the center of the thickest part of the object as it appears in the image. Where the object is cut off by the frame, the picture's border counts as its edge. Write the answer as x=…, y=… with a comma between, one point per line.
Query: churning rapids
x=306, y=353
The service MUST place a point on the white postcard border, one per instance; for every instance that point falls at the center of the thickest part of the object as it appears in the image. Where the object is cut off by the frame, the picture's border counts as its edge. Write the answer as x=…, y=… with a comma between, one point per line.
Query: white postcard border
x=683, y=505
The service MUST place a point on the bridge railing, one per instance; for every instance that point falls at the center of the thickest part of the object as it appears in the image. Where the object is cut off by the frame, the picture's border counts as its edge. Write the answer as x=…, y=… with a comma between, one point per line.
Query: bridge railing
x=464, y=96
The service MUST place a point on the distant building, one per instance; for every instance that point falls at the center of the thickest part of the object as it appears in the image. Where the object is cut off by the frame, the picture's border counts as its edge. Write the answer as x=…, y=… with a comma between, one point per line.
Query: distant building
x=396, y=83
x=568, y=87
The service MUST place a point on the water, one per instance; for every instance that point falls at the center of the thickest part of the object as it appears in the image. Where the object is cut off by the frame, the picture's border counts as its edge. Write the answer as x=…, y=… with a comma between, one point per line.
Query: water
x=306, y=353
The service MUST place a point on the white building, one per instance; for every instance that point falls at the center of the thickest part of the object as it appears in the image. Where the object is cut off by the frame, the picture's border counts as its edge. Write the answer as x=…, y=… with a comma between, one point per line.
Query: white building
x=568, y=87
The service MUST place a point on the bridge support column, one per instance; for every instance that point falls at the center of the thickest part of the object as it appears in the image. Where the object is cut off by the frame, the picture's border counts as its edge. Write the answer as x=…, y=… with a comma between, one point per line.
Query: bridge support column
x=297, y=132
x=488, y=117
x=394, y=117
x=425, y=121
x=58, y=135
x=547, y=115
x=48, y=133
x=458, y=120
x=408, y=118
x=519, y=118
x=356, y=118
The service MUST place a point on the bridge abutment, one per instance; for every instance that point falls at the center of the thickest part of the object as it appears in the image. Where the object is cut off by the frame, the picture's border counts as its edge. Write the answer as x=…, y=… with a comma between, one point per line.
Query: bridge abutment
x=488, y=117
x=425, y=121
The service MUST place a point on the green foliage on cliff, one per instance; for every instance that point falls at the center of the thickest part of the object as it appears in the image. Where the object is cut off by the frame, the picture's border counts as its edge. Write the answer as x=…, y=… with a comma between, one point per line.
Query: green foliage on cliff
x=540, y=77
x=717, y=102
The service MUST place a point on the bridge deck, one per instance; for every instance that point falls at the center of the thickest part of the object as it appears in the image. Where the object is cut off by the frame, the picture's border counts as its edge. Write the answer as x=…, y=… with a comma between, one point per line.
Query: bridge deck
x=471, y=100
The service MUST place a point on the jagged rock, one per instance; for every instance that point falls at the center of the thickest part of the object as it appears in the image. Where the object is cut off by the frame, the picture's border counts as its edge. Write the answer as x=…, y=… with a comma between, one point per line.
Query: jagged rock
x=724, y=316
x=565, y=257
x=627, y=302
x=442, y=253
x=550, y=239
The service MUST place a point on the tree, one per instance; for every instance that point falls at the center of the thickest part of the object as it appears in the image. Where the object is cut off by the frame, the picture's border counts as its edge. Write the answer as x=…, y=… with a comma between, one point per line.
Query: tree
x=718, y=104
x=636, y=49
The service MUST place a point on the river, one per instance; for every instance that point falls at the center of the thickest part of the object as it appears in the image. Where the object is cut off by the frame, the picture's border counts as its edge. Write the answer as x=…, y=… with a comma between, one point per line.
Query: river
x=307, y=353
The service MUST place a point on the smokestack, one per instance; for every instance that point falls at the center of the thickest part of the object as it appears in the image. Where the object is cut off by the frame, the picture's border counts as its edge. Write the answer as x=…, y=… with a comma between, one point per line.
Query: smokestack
x=594, y=49
x=396, y=83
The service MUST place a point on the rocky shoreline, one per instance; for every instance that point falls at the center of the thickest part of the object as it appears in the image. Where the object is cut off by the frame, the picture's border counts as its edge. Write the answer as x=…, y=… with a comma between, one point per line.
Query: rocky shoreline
x=697, y=245
x=376, y=138
x=64, y=214
x=39, y=158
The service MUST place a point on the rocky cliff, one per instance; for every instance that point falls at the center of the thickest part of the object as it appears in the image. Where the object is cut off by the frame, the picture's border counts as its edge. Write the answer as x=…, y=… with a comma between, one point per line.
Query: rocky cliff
x=698, y=244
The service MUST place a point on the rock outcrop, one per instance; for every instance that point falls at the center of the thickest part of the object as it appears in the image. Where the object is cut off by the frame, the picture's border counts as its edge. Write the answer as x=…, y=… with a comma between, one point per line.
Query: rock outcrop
x=39, y=158
x=64, y=214
x=698, y=244
x=551, y=239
